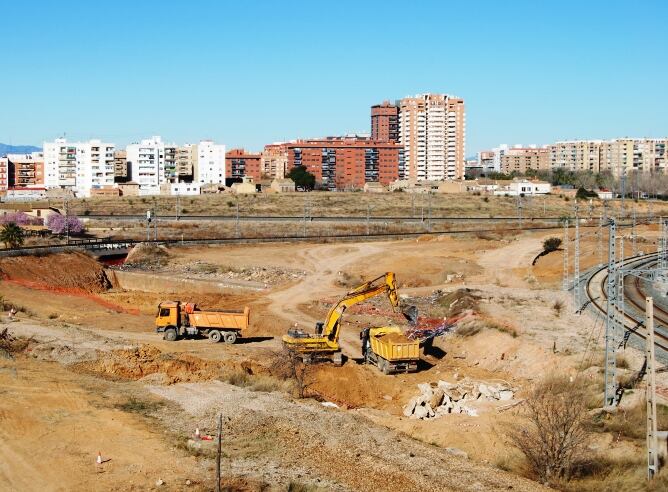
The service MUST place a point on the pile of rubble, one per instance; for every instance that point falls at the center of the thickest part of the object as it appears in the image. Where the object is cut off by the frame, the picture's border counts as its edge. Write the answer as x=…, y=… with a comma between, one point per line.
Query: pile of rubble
x=442, y=398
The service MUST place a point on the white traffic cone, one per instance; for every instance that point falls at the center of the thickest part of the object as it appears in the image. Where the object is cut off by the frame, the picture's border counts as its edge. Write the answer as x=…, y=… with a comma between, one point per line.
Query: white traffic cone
x=99, y=458
x=197, y=432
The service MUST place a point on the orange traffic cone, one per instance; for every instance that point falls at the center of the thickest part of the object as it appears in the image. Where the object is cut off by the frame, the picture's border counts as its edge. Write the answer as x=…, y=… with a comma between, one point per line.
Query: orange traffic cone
x=197, y=432
x=99, y=458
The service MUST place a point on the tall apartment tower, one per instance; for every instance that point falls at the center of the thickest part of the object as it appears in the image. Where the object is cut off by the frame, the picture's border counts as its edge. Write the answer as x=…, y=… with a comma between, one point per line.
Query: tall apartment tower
x=432, y=131
x=146, y=164
x=385, y=122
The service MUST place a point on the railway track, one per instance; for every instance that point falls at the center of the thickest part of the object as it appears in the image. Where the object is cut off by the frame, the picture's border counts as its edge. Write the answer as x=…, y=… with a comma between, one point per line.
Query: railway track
x=633, y=295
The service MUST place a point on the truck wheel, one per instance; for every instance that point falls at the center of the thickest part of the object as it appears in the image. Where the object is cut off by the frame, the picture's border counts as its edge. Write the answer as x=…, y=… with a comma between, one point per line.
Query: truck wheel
x=215, y=336
x=170, y=334
x=386, y=368
x=229, y=337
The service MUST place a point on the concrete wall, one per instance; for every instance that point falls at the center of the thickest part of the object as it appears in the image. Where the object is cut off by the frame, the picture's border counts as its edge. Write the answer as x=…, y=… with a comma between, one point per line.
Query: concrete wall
x=151, y=282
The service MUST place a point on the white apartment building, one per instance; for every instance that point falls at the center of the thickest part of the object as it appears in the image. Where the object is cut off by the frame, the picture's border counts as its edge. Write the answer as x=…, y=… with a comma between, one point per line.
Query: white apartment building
x=146, y=164
x=210, y=168
x=4, y=173
x=432, y=130
x=78, y=166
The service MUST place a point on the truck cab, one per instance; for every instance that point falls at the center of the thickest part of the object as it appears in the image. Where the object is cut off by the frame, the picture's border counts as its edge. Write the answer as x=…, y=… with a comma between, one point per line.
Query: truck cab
x=168, y=319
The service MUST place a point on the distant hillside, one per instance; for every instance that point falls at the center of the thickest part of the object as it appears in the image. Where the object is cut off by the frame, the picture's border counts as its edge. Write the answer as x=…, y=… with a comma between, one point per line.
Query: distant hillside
x=17, y=149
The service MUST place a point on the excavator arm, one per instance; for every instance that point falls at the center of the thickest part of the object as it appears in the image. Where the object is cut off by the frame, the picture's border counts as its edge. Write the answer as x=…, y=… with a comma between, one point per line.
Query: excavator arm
x=372, y=288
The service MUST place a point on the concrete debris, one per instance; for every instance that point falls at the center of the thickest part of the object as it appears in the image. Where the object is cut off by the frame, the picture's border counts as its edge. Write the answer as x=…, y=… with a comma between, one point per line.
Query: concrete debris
x=465, y=397
x=457, y=452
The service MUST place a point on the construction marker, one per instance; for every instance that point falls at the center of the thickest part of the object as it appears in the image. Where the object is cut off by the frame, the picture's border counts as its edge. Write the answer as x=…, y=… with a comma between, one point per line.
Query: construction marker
x=99, y=458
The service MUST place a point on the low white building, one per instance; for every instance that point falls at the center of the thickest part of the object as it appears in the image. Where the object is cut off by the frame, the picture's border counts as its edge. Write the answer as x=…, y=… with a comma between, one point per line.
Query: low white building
x=524, y=187
x=78, y=166
x=184, y=189
x=604, y=194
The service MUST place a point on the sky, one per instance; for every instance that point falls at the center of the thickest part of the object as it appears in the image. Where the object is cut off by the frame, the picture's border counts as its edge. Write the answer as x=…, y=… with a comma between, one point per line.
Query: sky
x=254, y=72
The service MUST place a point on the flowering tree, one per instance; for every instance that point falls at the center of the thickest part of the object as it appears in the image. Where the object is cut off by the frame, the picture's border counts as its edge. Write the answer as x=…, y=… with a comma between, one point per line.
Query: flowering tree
x=20, y=219
x=58, y=224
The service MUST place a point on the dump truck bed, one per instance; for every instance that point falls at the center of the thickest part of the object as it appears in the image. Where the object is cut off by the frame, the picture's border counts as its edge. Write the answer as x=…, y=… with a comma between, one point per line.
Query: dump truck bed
x=230, y=320
x=394, y=346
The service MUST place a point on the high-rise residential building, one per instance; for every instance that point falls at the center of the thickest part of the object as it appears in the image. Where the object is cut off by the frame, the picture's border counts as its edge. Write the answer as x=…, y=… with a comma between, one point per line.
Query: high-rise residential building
x=521, y=159
x=4, y=173
x=580, y=155
x=186, y=161
x=432, y=130
x=239, y=163
x=78, y=166
x=210, y=167
x=274, y=162
x=385, y=122
x=341, y=163
x=121, y=166
x=170, y=163
x=146, y=164
x=25, y=170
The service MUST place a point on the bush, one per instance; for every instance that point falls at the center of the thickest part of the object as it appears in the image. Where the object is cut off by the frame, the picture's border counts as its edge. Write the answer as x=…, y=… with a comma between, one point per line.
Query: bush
x=20, y=219
x=551, y=244
x=554, y=439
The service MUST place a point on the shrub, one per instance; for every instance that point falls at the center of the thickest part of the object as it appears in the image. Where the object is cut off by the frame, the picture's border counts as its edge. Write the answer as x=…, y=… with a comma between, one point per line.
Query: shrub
x=12, y=235
x=554, y=439
x=551, y=244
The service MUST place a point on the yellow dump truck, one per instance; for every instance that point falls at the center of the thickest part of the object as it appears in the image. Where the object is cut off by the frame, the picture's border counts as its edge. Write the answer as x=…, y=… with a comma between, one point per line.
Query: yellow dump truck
x=389, y=349
x=178, y=319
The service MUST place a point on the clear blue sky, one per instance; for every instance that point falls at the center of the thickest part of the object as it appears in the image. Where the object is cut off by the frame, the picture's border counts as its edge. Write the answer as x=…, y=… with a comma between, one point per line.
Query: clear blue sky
x=248, y=73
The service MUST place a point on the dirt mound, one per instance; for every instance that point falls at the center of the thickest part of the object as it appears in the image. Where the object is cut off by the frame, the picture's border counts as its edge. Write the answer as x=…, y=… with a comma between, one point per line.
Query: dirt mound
x=147, y=256
x=138, y=363
x=73, y=270
x=460, y=300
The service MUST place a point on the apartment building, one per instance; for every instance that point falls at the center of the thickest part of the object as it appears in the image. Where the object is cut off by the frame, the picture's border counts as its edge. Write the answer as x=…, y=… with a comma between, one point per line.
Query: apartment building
x=170, y=163
x=618, y=156
x=78, y=166
x=274, y=161
x=186, y=161
x=240, y=163
x=210, y=168
x=521, y=159
x=432, y=131
x=146, y=164
x=385, y=122
x=121, y=166
x=4, y=174
x=25, y=170
x=342, y=163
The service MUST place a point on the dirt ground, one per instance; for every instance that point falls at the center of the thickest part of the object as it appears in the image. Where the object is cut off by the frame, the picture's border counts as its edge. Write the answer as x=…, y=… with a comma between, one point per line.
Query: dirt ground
x=98, y=346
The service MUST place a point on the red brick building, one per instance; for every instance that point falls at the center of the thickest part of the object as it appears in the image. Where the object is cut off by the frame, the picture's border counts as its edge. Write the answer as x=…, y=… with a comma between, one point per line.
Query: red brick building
x=344, y=163
x=385, y=122
x=239, y=163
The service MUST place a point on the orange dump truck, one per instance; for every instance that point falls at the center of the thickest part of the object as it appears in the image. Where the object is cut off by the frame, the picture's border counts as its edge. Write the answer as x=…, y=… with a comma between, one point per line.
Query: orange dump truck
x=176, y=318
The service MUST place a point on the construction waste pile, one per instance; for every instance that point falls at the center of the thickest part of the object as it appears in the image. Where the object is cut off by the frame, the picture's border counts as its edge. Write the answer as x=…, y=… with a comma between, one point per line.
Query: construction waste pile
x=443, y=398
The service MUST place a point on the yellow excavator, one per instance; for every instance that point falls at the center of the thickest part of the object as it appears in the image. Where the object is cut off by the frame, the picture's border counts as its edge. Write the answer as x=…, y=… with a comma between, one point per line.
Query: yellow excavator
x=324, y=344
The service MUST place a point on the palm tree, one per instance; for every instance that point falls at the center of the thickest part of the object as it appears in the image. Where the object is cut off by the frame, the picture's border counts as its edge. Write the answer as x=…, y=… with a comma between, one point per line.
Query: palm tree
x=11, y=235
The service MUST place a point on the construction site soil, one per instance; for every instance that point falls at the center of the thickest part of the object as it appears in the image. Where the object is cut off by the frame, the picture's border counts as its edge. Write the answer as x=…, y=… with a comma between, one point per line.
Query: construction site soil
x=125, y=385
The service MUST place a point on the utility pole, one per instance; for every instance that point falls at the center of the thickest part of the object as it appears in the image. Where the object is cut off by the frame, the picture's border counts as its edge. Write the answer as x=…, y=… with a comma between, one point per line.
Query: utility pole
x=429, y=214
x=177, y=203
x=623, y=186
x=565, y=243
x=576, y=259
x=611, y=320
x=652, y=444
x=148, y=225
x=633, y=230
x=600, y=241
x=236, y=223
x=519, y=210
x=368, y=214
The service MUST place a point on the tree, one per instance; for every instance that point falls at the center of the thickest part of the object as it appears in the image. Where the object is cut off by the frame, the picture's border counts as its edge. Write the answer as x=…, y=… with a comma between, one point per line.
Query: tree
x=302, y=177
x=554, y=438
x=11, y=235
x=59, y=224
